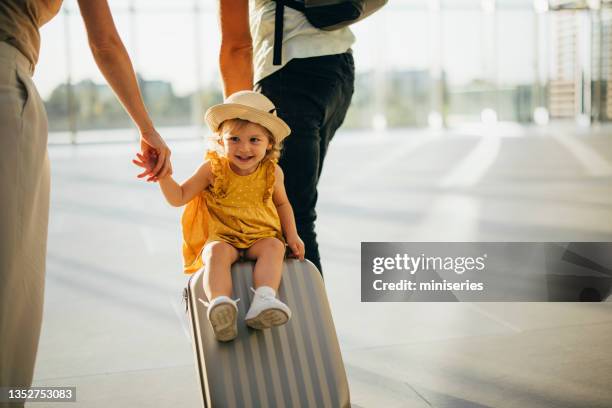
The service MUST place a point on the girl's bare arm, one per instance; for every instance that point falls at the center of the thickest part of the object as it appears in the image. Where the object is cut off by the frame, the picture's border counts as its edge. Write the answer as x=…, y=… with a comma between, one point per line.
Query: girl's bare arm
x=285, y=213
x=178, y=195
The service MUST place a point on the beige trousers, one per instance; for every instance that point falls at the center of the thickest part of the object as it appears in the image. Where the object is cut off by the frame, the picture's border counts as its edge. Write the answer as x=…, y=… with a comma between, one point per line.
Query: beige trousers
x=24, y=214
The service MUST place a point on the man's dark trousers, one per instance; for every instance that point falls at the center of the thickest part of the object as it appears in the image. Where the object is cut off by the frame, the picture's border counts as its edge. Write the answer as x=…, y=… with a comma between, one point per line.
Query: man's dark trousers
x=312, y=95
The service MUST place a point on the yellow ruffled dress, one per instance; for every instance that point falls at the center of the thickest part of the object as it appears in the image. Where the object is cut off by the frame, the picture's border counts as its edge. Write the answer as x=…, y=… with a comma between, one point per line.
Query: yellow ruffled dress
x=235, y=209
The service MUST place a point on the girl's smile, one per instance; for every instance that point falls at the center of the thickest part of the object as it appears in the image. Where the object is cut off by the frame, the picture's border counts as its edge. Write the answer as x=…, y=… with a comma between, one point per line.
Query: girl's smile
x=244, y=158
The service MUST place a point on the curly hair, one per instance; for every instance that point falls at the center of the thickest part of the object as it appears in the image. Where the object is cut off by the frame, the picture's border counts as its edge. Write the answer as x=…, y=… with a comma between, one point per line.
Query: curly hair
x=233, y=125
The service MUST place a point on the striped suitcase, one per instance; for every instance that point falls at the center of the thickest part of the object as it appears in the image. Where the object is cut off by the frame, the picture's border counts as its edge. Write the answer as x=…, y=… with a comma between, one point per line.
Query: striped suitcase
x=295, y=365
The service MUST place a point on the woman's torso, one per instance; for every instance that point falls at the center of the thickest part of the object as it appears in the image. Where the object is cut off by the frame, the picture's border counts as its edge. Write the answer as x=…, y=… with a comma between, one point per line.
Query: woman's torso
x=20, y=21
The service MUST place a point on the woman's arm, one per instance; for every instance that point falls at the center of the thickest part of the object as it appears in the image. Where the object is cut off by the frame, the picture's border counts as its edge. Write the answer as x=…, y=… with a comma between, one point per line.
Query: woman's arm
x=114, y=63
x=285, y=213
x=179, y=195
x=236, y=54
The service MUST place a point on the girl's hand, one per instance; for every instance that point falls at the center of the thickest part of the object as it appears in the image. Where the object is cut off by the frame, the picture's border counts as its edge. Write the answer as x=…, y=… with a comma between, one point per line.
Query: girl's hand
x=295, y=243
x=147, y=161
x=154, y=157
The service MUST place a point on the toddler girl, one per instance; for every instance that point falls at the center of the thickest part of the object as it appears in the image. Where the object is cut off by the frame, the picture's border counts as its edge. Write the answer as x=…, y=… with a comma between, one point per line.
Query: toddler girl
x=237, y=208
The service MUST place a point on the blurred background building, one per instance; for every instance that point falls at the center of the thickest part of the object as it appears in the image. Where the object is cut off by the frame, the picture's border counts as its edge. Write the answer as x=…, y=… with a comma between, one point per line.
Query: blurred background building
x=437, y=63
x=581, y=71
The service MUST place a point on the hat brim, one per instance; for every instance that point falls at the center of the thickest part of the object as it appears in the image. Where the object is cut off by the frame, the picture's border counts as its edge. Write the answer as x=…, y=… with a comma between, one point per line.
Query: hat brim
x=218, y=114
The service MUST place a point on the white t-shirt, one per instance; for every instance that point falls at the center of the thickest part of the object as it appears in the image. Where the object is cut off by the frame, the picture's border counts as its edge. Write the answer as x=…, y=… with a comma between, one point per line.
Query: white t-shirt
x=300, y=38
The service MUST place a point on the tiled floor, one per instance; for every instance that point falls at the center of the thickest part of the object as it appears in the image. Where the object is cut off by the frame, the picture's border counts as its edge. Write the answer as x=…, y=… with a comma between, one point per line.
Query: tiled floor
x=114, y=325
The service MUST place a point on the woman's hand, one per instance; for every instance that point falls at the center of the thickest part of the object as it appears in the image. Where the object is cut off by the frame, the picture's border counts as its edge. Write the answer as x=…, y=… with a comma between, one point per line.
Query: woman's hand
x=295, y=243
x=154, y=157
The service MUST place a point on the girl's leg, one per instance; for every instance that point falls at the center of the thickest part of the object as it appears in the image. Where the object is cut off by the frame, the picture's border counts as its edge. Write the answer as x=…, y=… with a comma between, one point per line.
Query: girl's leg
x=218, y=258
x=269, y=253
x=266, y=310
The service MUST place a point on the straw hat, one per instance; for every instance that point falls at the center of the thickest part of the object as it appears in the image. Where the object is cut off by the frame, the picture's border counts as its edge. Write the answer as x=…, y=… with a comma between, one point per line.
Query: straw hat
x=251, y=106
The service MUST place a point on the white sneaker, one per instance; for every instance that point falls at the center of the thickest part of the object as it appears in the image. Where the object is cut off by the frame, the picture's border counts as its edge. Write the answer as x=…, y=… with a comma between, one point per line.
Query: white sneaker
x=266, y=310
x=222, y=312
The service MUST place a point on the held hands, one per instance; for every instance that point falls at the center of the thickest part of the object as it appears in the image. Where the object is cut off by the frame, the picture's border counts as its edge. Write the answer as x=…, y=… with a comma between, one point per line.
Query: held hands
x=296, y=245
x=154, y=157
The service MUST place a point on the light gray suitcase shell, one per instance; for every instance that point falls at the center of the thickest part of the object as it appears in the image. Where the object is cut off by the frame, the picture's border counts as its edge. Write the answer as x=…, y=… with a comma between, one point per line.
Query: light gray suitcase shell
x=295, y=365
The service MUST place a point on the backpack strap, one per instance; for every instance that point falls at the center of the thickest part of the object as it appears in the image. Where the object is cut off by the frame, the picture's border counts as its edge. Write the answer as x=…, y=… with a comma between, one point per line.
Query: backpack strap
x=278, y=32
x=279, y=26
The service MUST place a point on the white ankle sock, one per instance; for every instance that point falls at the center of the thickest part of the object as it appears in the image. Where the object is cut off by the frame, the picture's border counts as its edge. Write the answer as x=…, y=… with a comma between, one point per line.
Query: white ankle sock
x=265, y=290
